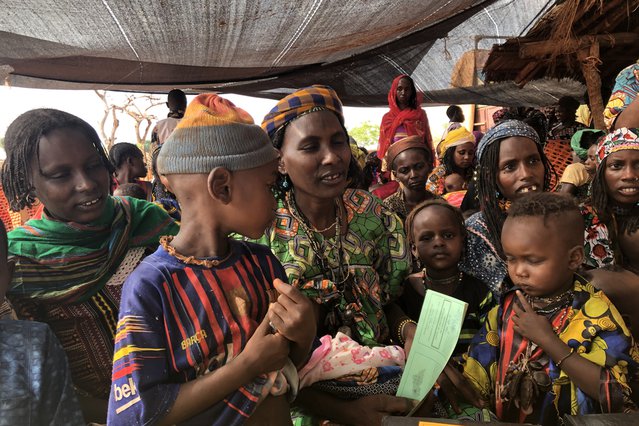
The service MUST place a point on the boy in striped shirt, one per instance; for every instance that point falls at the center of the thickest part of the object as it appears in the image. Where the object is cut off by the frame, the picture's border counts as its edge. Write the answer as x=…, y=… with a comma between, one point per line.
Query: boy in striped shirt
x=197, y=341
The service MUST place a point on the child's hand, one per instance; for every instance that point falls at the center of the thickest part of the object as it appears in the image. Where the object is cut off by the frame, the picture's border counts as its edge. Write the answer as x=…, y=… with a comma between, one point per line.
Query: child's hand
x=370, y=410
x=292, y=314
x=535, y=328
x=265, y=351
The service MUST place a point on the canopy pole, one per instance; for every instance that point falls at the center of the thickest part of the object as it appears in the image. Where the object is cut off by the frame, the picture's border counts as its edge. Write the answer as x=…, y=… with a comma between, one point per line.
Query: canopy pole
x=589, y=59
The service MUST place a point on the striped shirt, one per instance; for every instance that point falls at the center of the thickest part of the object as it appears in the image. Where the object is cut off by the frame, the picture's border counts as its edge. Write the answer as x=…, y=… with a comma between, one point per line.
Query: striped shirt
x=179, y=321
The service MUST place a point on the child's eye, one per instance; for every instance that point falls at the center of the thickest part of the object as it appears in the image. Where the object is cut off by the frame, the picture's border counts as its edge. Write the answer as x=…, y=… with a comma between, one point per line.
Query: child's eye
x=449, y=236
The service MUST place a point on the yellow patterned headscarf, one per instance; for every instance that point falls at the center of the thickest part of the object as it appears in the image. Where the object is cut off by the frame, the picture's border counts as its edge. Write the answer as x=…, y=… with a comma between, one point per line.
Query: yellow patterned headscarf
x=455, y=137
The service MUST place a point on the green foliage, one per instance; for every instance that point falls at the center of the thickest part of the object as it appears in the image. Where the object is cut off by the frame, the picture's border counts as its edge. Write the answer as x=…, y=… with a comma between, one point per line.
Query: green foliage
x=366, y=134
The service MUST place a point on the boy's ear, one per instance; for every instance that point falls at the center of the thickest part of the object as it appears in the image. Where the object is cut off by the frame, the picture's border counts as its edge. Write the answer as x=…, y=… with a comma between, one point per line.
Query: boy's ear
x=219, y=184
x=165, y=182
x=413, y=250
x=576, y=257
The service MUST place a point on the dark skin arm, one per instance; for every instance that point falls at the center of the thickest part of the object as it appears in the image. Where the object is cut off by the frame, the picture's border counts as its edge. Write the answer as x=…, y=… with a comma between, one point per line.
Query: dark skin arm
x=368, y=410
x=567, y=188
x=293, y=316
x=264, y=352
x=538, y=329
x=628, y=117
x=395, y=315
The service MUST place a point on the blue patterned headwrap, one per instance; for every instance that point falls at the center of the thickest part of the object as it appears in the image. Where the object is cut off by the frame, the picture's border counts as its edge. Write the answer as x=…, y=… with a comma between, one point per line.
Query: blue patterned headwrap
x=506, y=129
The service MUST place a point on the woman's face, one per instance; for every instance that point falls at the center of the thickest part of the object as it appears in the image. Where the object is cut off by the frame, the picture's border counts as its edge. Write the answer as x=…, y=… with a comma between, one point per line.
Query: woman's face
x=404, y=93
x=316, y=155
x=137, y=167
x=591, y=161
x=519, y=169
x=464, y=155
x=411, y=169
x=622, y=176
x=69, y=177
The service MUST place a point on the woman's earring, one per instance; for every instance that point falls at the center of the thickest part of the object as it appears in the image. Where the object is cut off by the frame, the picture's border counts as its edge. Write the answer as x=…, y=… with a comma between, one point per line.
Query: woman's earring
x=285, y=183
x=497, y=194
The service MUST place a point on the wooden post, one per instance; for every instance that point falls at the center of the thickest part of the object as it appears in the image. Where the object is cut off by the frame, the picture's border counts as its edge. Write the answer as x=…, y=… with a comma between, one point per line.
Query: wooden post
x=589, y=59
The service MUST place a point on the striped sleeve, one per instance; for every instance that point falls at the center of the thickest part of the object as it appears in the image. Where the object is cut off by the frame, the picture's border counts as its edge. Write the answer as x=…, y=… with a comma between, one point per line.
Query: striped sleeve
x=140, y=389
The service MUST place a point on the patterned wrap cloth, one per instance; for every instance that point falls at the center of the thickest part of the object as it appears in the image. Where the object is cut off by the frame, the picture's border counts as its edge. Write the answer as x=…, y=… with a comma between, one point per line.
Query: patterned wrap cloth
x=374, y=252
x=623, y=93
x=299, y=103
x=63, y=277
x=598, y=247
x=591, y=326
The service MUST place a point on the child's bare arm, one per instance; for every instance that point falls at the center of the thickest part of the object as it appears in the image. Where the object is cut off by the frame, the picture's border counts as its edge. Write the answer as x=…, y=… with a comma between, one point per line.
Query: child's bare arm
x=537, y=328
x=264, y=352
x=294, y=318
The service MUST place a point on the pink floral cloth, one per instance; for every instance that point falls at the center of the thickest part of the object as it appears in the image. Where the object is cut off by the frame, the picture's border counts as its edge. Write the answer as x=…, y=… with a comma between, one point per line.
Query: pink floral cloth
x=342, y=356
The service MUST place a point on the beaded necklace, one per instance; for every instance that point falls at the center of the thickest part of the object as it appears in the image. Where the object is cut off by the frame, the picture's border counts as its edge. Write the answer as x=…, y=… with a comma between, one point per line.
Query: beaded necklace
x=450, y=281
x=335, y=319
x=165, y=241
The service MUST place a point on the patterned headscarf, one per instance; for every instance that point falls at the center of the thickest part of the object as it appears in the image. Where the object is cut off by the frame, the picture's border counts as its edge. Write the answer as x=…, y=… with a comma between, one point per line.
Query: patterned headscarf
x=455, y=137
x=298, y=103
x=506, y=129
x=619, y=140
x=575, y=142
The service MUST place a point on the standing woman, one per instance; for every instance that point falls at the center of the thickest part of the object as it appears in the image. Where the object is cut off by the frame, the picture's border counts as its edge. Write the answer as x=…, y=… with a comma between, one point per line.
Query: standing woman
x=341, y=247
x=457, y=155
x=405, y=118
x=613, y=212
x=410, y=164
x=511, y=164
x=70, y=264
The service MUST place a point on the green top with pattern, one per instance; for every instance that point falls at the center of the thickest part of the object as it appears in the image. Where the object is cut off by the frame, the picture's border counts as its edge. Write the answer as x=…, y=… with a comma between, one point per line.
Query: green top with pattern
x=374, y=252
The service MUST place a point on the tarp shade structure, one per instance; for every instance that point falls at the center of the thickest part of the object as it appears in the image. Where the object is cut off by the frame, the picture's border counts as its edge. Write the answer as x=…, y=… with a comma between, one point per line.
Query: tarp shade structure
x=260, y=47
x=537, y=93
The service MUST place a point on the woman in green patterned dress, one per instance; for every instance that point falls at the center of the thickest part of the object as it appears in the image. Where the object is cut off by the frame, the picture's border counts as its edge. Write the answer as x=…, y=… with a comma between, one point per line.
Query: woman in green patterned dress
x=341, y=247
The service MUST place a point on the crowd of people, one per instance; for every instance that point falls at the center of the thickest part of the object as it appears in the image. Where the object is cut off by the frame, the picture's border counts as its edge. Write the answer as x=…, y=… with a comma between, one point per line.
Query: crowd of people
x=275, y=273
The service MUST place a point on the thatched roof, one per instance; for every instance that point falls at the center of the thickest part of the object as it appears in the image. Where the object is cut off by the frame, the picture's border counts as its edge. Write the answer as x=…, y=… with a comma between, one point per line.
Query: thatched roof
x=549, y=48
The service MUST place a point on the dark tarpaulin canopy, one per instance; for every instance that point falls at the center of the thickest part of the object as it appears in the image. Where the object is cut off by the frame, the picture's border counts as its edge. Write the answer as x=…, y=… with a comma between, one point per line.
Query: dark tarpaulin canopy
x=261, y=48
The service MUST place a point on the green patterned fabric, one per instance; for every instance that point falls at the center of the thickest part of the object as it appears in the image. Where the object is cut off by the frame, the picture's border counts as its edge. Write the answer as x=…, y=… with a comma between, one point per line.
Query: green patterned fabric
x=375, y=254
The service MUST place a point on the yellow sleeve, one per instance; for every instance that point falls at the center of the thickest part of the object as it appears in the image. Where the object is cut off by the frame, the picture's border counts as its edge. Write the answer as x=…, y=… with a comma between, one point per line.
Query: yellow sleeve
x=575, y=174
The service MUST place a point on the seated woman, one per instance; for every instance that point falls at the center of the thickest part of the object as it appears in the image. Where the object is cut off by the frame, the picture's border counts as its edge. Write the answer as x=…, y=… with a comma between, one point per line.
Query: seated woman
x=341, y=247
x=70, y=264
x=128, y=161
x=511, y=164
x=612, y=214
x=578, y=175
x=457, y=155
x=410, y=164
x=405, y=118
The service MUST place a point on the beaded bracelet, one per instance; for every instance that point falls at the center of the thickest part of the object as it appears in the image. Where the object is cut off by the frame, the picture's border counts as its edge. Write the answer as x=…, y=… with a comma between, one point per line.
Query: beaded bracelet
x=400, y=329
x=572, y=350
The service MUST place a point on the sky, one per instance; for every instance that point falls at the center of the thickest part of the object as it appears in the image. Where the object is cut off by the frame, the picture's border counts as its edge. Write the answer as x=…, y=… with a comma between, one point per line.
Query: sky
x=88, y=106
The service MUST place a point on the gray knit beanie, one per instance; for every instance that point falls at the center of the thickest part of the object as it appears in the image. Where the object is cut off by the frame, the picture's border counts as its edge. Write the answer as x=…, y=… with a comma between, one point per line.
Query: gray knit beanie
x=214, y=133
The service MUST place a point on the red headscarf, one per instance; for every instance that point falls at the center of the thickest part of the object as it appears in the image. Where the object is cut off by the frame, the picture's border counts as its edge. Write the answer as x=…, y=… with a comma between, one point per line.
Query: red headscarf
x=414, y=120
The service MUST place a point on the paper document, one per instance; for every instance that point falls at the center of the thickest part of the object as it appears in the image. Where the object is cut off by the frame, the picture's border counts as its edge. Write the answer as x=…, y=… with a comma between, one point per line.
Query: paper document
x=437, y=332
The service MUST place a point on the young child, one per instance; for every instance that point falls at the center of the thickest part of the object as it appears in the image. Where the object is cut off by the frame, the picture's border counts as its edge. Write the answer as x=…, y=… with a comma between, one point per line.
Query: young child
x=577, y=176
x=455, y=192
x=128, y=161
x=36, y=380
x=454, y=182
x=130, y=190
x=196, y=337
x=435, y=232
x=555, y=345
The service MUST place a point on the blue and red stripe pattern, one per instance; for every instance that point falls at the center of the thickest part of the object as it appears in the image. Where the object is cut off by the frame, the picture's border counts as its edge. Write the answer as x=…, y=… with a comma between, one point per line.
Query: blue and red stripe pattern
x=178, y=322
